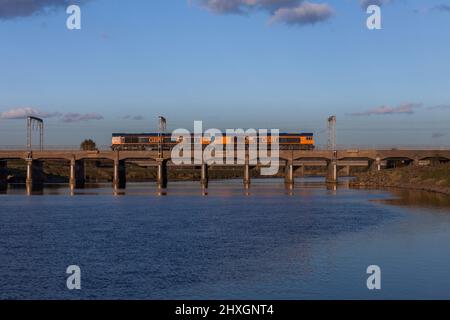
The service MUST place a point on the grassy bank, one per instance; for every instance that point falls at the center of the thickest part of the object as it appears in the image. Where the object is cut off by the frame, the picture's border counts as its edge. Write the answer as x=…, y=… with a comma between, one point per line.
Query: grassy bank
x=435, y=178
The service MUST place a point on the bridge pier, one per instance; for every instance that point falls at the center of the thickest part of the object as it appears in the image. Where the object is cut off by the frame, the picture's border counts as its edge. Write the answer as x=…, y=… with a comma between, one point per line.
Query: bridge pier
x=247, y=175
x=375, y=165
x=162, y=174
x=301, y=171
x=35, y=175
x=289, y=174
x=77, y=174
x=332, y=171
x=3, y=175
x=120, y=175
x=347, y=171
x=204, y=180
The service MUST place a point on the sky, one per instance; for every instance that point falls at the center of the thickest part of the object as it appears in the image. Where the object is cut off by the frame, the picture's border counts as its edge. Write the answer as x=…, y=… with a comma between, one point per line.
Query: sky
x=284, y=64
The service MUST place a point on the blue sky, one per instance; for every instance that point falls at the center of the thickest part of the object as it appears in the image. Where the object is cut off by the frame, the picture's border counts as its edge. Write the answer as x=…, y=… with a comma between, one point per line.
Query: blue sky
x=135, y=60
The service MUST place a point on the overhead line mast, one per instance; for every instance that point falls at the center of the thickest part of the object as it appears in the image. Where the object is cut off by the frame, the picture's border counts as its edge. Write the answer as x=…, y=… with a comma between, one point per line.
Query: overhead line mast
x=35, y=123
x=332, y=133
x=161, y=130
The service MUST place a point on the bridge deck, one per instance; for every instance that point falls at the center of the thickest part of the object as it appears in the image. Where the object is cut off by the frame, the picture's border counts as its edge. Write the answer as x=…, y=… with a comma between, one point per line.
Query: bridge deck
x=348, y=155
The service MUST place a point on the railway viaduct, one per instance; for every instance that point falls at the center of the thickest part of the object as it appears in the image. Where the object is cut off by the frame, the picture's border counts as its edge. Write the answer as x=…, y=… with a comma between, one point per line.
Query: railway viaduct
x=289, y=160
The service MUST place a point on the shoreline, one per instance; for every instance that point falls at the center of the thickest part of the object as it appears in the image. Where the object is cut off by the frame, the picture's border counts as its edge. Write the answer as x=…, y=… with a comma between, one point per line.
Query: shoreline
x=430, y=179
x=412, y=188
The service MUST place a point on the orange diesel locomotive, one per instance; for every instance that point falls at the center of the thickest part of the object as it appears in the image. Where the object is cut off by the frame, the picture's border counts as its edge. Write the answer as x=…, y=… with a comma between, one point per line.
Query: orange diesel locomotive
x=151, y=141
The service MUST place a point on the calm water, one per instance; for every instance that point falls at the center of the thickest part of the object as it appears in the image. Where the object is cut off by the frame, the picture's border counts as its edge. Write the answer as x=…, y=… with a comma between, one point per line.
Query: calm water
x=308, y=243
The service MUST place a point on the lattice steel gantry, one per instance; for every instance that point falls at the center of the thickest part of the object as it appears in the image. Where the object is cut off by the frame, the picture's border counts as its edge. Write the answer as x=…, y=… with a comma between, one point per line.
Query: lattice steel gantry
x=332, y=133
x=35, y=123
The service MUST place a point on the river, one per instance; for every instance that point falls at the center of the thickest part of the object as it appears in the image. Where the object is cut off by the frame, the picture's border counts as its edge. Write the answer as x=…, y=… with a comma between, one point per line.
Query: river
x=268, y=243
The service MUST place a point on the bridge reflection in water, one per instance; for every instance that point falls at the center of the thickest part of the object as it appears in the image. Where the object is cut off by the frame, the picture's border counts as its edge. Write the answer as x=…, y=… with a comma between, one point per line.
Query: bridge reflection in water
x=293, y=162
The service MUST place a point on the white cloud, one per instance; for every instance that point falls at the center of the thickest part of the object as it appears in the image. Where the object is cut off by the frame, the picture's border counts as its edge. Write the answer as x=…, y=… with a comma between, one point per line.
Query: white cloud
x=305, y=13
x=10, y=9
x=23, y=113
x=78, y=117
x=406, y=108
x=131, y=117
x=298, y=12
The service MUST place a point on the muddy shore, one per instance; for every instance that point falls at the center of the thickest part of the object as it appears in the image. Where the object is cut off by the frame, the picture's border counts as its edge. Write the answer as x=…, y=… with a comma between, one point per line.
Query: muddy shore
x=432, y=179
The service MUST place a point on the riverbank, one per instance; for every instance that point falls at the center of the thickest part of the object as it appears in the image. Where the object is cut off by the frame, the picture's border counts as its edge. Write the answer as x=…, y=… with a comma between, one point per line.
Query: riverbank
x=433, y=179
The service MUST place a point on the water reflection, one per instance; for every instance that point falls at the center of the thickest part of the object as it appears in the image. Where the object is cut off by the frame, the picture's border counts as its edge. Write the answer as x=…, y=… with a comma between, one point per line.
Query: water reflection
x=413, y=198
x=231, y=188
x=266, y=242
x=162, y=192
x=185, y=188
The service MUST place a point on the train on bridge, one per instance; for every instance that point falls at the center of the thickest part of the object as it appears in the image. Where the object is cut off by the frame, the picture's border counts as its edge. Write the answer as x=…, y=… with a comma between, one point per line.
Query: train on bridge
x=152, y=141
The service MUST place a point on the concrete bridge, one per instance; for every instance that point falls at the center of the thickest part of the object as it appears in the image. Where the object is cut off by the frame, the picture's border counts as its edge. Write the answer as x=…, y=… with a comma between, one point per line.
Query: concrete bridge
x=289, y=160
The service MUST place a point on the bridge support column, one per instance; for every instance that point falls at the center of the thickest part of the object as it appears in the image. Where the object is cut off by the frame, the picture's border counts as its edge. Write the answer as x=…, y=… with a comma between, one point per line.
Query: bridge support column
x=120, y=175
x=204, y=180
x=3, y=176
x=35, y=175
x=347, y=171
x=301, y=171
x=376, y=165
x=289, y=174
x=332, y=171
x=247, y=179
x=77, y=174
x=162, y=174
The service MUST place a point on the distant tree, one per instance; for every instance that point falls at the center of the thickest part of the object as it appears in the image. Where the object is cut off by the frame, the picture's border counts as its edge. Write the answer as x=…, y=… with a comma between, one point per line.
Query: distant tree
x=88, y=145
